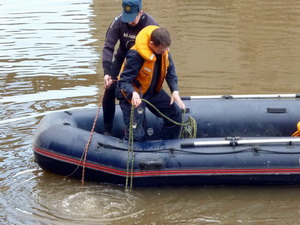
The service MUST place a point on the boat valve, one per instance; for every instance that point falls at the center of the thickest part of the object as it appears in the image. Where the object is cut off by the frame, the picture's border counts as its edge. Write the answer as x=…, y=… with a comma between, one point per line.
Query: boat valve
x=256, y=150
x=140, y=110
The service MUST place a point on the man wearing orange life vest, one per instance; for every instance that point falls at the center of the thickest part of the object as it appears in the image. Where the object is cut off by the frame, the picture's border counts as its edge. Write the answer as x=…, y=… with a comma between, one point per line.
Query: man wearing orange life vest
x=148, y=63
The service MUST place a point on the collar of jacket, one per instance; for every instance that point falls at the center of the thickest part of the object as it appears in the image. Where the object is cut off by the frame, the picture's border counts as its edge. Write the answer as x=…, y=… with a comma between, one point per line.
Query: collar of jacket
x=142, y=43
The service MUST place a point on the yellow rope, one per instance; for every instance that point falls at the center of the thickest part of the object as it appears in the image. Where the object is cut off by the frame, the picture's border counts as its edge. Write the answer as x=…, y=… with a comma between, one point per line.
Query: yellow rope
x=130, y=156
x=188, y=128
x=82, y=160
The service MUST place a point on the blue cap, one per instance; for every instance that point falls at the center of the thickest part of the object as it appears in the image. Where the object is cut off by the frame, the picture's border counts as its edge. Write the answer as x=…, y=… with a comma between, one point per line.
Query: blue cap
x=131, y=9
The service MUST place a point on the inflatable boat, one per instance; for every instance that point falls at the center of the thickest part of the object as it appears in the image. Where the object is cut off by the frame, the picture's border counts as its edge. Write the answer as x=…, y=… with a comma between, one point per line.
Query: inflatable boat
x=241, y=140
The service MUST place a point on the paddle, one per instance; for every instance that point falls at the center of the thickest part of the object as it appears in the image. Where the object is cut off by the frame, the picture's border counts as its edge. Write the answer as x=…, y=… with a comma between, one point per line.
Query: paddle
x=235, y=142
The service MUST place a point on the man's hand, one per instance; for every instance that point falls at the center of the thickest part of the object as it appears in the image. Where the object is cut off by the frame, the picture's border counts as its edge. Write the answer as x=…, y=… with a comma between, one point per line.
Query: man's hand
x=107, y=81
x=175, y=97
x=135, y=100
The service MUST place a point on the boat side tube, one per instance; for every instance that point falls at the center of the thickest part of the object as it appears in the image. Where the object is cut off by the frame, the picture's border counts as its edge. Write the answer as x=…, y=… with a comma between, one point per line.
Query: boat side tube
x=257, y=96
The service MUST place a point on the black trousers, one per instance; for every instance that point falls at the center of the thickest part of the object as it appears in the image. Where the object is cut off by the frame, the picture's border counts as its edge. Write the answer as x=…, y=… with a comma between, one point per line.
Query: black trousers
x=161, y=101
x=108, y=102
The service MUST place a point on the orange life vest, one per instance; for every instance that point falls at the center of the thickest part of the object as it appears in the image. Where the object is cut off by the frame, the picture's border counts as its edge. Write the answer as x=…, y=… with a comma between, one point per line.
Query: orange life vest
x=145, y=74
x=297, y=132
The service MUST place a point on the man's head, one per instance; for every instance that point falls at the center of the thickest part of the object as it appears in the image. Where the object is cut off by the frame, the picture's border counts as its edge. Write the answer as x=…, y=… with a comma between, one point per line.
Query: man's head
x=132, y=11
x=160, y=40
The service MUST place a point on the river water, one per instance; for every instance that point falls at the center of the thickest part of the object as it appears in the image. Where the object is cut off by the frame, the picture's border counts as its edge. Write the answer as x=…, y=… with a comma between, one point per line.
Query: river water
x=50, y=60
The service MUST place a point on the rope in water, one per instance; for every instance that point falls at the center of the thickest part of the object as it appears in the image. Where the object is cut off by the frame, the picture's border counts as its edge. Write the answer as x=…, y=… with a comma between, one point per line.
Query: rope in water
x=84, y=154
x=188, y=129
x=82, y=160
x=130, y=156
x=89, y=142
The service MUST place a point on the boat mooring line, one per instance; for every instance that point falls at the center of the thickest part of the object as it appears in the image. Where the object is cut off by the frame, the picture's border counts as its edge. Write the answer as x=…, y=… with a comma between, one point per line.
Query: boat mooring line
x=256, y=96
x=239, y=142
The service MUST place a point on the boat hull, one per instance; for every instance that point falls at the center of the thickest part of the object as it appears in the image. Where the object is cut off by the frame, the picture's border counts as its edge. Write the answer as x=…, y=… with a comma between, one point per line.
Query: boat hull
x=246, y=155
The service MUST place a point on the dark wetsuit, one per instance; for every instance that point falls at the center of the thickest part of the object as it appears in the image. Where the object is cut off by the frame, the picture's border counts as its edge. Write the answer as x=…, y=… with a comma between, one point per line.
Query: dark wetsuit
x=123, y=32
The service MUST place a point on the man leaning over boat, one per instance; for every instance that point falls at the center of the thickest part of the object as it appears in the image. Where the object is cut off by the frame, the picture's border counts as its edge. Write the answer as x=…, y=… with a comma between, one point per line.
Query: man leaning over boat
x=148, y=63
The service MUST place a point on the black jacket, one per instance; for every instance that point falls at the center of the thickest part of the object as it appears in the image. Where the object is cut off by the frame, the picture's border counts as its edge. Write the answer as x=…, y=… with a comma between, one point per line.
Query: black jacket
x=123, y=32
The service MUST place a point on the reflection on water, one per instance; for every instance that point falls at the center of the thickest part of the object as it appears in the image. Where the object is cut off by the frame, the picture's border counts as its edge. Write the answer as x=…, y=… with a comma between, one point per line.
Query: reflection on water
x=50, y=38
x=50, y=95
x=50, y=53
x=238, y=46
x=46, y=48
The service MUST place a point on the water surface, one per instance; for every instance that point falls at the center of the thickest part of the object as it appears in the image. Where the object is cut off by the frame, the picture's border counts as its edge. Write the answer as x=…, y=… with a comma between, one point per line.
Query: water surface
x=50, y=60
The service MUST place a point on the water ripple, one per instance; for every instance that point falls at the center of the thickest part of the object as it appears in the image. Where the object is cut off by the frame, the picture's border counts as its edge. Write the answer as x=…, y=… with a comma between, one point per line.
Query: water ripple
x=49, y=61
x=45, y=36
x=42, y=197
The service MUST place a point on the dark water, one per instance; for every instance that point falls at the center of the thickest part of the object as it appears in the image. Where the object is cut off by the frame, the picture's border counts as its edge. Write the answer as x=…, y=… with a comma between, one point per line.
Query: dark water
x=50, y=54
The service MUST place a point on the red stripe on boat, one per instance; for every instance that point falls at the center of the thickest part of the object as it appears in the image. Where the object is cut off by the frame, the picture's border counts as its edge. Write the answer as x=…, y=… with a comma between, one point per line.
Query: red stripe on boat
x=167, y=172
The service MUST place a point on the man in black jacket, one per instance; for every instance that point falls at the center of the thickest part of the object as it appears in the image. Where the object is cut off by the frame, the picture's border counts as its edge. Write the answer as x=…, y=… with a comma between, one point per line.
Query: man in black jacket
x=124, y=29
